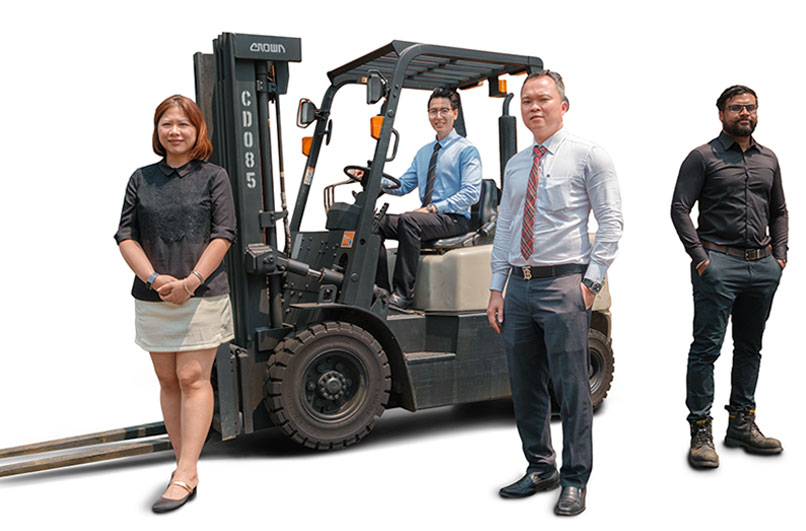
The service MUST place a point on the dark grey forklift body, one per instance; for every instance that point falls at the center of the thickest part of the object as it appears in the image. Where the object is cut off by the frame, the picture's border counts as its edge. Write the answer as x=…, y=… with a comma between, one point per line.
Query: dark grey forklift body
x=318, y=352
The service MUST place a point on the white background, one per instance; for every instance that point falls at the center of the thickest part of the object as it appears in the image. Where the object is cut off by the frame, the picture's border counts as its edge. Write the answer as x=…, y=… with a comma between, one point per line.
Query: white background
x=80, y=82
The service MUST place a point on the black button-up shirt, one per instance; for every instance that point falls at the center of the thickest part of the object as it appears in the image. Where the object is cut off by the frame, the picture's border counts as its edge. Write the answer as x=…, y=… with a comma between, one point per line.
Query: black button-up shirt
x=740, y=196
x=173, y=213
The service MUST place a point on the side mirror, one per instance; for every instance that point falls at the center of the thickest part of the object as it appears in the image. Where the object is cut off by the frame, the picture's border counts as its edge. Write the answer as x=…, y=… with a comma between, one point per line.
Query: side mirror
x=306, y=113
x=376, y=87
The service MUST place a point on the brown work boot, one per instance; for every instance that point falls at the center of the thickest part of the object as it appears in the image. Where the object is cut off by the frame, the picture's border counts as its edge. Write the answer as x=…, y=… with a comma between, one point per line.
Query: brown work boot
x=702, y=453
x=742, y=431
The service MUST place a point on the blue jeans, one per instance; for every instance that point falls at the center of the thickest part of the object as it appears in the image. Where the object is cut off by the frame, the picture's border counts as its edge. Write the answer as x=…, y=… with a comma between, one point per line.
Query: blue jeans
x=740, y=289
x=546, y=337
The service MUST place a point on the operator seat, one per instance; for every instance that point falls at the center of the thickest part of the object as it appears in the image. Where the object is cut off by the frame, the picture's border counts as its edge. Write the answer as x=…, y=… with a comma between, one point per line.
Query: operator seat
x=480, y=226
x=445, y=280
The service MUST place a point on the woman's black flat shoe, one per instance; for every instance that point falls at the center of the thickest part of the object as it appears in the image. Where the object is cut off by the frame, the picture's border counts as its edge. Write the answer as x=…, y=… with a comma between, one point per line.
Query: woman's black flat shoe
x=164, y=505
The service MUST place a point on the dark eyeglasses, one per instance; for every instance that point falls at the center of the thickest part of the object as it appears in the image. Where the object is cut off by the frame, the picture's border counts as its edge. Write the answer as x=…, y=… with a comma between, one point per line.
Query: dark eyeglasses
x=736, y=108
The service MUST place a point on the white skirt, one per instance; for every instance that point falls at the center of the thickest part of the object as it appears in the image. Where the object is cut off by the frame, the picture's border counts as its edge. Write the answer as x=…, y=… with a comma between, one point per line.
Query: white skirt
x=200, y=323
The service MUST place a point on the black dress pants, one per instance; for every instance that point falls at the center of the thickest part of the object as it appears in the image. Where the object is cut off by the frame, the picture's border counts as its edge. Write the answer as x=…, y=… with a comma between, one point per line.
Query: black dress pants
x=545, y=334
x=410, y=229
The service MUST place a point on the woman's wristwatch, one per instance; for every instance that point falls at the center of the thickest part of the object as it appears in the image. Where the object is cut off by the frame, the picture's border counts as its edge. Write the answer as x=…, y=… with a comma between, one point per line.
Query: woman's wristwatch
x=151, y=278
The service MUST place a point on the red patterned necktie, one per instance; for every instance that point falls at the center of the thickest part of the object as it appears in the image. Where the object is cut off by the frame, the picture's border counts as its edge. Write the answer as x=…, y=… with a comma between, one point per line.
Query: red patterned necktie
x=527, y=232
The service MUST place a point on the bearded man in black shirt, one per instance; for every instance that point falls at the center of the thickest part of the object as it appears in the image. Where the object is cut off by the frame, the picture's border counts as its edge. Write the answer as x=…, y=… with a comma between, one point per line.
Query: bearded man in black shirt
x=738, y=253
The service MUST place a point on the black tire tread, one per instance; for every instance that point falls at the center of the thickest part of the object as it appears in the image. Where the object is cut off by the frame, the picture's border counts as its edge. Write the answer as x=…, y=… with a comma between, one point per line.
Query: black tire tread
x=281, y=359
x=608, y=367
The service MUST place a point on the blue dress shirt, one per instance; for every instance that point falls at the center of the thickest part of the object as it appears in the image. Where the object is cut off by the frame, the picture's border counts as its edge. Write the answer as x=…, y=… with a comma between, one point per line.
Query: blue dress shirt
x=576, y=176
x=457, y=182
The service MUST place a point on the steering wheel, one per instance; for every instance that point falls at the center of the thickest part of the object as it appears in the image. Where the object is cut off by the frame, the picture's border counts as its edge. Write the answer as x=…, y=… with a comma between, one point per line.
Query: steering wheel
x=350, y=168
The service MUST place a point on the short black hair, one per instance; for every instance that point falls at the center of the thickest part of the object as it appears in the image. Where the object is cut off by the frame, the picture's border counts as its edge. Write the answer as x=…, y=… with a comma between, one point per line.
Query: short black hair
x=558, y=80
x=441, y=92
x=731, y=92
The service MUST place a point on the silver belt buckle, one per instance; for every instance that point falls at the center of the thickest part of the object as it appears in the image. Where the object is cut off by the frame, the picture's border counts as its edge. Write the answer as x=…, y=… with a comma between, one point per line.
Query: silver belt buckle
x=751, y=254
x=527, y=272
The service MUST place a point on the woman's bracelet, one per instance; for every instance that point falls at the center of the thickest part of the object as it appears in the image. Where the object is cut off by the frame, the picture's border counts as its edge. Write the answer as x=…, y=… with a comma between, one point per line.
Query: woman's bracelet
x=184, y=285
x=198, y=275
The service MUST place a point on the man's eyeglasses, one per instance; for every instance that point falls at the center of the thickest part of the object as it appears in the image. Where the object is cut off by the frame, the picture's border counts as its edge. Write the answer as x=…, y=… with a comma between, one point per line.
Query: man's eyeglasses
x=441, y=112
x=736, y=108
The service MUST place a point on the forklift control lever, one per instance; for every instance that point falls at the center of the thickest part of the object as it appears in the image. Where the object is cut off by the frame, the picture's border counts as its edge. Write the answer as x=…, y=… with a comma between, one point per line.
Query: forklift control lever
x=381, y=212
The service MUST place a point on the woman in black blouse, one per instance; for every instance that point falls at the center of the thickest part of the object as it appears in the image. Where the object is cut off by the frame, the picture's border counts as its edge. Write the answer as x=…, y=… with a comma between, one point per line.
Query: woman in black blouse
x=178, y=222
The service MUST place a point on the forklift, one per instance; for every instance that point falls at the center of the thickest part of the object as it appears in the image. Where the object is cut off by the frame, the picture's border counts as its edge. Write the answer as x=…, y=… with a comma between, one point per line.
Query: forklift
x=318, y=352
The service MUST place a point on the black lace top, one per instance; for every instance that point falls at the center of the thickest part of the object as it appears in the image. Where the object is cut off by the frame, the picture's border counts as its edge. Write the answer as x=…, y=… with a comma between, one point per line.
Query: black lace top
x=173, y=213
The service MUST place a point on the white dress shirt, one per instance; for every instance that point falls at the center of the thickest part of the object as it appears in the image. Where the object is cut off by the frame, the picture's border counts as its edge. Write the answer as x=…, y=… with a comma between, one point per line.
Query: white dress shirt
x=576, y=176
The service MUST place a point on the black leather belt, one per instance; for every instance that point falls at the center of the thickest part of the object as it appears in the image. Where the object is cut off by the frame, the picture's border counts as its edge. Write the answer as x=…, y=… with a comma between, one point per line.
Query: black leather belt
x=747, y=254
x=530, y=272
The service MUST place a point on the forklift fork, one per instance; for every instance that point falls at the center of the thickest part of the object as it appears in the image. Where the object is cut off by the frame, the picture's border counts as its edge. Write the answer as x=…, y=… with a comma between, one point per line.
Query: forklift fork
x=96, y=447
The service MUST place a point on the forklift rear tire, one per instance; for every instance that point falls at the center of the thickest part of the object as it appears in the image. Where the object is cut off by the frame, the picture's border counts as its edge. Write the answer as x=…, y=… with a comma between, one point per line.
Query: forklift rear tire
x=326, y=386
x=601, y=370
x=601, y=366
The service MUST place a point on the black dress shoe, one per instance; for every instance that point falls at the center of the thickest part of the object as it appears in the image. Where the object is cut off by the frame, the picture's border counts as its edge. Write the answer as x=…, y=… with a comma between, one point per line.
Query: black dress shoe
x=571, y=502
x=399, y=301
x=163, y=505
x=530, y=484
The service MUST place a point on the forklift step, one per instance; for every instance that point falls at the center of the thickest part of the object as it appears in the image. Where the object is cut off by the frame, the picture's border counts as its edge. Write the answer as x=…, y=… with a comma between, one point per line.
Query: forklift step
x=415, y=358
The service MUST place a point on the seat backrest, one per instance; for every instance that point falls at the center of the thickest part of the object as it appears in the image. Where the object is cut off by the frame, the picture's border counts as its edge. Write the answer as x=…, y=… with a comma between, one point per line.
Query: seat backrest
x=482, y=216
x=486, y=208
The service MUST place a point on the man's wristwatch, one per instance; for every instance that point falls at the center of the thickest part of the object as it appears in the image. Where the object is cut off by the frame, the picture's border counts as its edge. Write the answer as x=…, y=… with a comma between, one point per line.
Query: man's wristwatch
x=151, y=278
x=432, y=208
x=595, y=287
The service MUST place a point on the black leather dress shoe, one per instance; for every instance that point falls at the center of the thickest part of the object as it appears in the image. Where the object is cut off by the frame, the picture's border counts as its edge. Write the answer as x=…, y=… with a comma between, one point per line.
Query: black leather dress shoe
x=571, y=502
x=530, y=484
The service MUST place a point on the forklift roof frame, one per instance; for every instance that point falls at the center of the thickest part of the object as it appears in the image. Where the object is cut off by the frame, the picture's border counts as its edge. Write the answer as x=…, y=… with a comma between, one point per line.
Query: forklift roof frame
x=428, y=66
x=404, y=65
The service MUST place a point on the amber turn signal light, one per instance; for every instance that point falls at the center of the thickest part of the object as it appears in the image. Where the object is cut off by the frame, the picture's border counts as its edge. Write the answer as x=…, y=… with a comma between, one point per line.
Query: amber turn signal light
x=375, y=124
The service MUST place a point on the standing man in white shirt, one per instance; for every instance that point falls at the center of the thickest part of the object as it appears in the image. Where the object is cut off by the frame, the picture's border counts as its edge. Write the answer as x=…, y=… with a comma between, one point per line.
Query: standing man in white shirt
x=542, y=246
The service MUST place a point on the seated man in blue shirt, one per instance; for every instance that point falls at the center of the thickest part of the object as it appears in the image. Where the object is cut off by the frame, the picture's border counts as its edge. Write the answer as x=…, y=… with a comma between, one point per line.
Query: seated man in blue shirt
x=447, y=172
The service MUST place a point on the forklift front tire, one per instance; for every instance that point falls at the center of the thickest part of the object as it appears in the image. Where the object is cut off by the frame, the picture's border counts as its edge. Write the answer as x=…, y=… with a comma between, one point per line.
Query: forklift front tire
x=326, y=386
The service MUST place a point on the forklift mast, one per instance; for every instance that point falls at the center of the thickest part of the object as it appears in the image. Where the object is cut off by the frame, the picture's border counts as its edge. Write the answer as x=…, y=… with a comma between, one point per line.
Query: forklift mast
x=236, y=87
